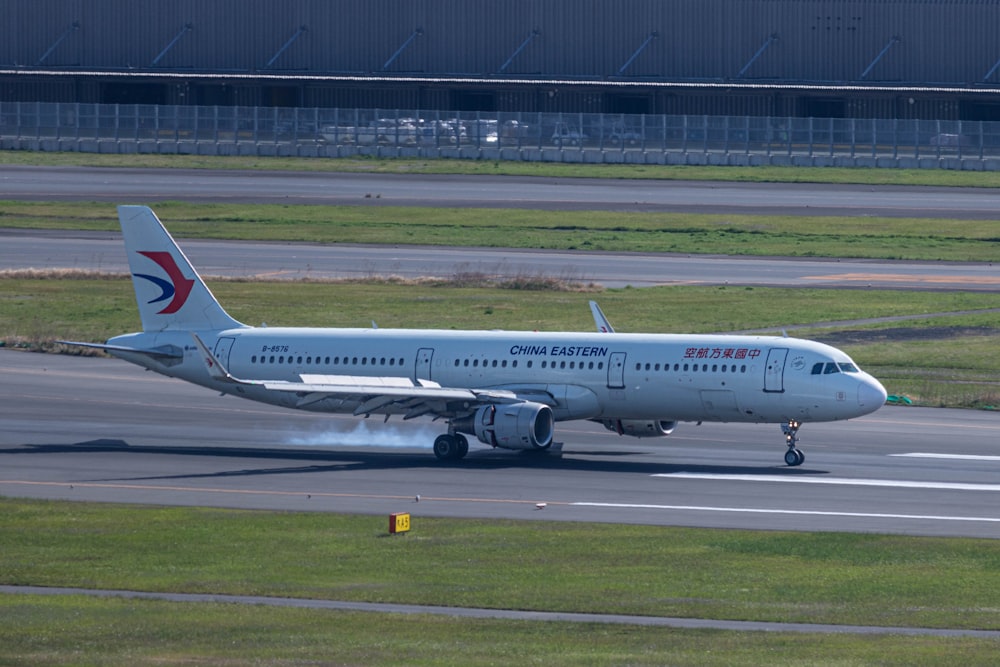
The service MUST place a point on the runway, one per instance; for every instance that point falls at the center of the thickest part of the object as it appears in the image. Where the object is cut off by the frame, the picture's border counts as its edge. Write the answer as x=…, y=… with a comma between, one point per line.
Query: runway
x=148, y=186
x=103, y=430
x=99, y=251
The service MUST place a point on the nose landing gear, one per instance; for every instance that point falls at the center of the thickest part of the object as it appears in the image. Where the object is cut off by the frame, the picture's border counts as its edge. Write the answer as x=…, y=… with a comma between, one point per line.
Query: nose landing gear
x=793, y=456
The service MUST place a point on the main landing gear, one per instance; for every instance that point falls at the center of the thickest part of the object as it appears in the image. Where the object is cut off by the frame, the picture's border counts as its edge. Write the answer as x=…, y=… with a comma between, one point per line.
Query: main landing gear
x=451, y=446
x=793, y=456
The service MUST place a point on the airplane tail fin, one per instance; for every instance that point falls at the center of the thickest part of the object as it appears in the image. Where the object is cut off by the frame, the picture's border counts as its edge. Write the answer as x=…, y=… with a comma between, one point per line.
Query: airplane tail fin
x=600, y=319
x=170, y=293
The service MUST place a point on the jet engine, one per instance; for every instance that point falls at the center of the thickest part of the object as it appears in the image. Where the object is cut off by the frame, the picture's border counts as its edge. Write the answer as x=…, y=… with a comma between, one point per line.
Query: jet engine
x=512, y=426
x=640, y=429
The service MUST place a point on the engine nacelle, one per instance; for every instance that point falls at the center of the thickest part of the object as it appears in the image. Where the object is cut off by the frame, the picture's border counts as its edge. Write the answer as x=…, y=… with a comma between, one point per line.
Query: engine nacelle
x=514, y=426
x=640, y=429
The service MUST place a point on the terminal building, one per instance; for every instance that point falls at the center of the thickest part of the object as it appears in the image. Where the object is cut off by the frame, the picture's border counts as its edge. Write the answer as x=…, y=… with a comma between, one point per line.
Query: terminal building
x=841, y=59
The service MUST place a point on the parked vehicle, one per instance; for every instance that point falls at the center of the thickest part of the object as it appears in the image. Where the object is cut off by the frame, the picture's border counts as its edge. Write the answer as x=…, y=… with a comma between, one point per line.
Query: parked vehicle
x=565, y=134
x=384, y=131
x=625, y=135
x=484, y=132
x=946, y=140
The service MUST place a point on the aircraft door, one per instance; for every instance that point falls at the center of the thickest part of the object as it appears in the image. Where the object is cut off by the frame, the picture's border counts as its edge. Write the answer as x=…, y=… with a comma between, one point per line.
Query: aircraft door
x=222, y=348
x=616, y=370
x=774, y=372
x=422, y=370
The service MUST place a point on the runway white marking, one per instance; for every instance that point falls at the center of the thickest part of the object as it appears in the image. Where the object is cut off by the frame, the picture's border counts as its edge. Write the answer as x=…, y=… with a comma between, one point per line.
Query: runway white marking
x=957, y=457
x=843, y=481
x=750, y=510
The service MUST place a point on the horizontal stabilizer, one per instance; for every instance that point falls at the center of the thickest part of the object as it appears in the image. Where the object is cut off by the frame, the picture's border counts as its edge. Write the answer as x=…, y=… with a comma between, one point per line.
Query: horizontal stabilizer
x=164, y=352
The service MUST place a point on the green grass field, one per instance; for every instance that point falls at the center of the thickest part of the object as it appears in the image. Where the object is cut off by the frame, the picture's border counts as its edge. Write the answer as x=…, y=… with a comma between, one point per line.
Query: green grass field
x=794, y=577
x=872, y=238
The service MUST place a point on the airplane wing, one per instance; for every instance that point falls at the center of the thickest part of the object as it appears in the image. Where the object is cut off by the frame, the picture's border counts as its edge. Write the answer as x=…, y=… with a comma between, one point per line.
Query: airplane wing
x=373, y=394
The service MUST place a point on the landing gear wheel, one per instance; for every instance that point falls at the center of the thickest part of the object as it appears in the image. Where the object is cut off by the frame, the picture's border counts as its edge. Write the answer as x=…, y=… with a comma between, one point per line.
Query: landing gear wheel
x=449, y=447
x=445, y=447
x=463, y=445
x=794, y=457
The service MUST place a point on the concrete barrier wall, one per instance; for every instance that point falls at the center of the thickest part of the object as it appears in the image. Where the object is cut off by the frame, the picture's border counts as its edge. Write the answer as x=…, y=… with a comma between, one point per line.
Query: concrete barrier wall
x=576, y=155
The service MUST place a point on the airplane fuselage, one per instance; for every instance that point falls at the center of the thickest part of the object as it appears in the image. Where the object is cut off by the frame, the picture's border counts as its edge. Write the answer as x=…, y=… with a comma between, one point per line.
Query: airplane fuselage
x=682, y=377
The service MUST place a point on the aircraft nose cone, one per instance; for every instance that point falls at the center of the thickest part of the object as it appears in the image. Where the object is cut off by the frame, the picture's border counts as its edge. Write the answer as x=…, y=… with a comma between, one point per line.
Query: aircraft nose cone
x=871, y=394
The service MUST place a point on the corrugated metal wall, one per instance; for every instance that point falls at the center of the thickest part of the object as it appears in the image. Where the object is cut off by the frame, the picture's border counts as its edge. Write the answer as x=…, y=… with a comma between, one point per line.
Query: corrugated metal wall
x=941, y=41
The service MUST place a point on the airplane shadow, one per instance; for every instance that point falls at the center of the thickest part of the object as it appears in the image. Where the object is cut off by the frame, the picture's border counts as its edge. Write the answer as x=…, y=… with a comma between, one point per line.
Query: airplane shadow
x=312, y=460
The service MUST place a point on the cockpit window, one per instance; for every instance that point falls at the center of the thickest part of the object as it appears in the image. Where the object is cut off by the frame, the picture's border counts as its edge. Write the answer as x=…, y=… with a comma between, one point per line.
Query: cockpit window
x=819, y=368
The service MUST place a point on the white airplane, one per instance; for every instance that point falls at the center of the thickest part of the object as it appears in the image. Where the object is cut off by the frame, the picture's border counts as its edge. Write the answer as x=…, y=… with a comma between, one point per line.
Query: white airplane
x=506, y=388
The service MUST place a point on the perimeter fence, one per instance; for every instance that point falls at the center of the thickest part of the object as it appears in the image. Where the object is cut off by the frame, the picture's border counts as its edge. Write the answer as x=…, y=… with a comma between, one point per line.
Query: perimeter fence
x=545, y=137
